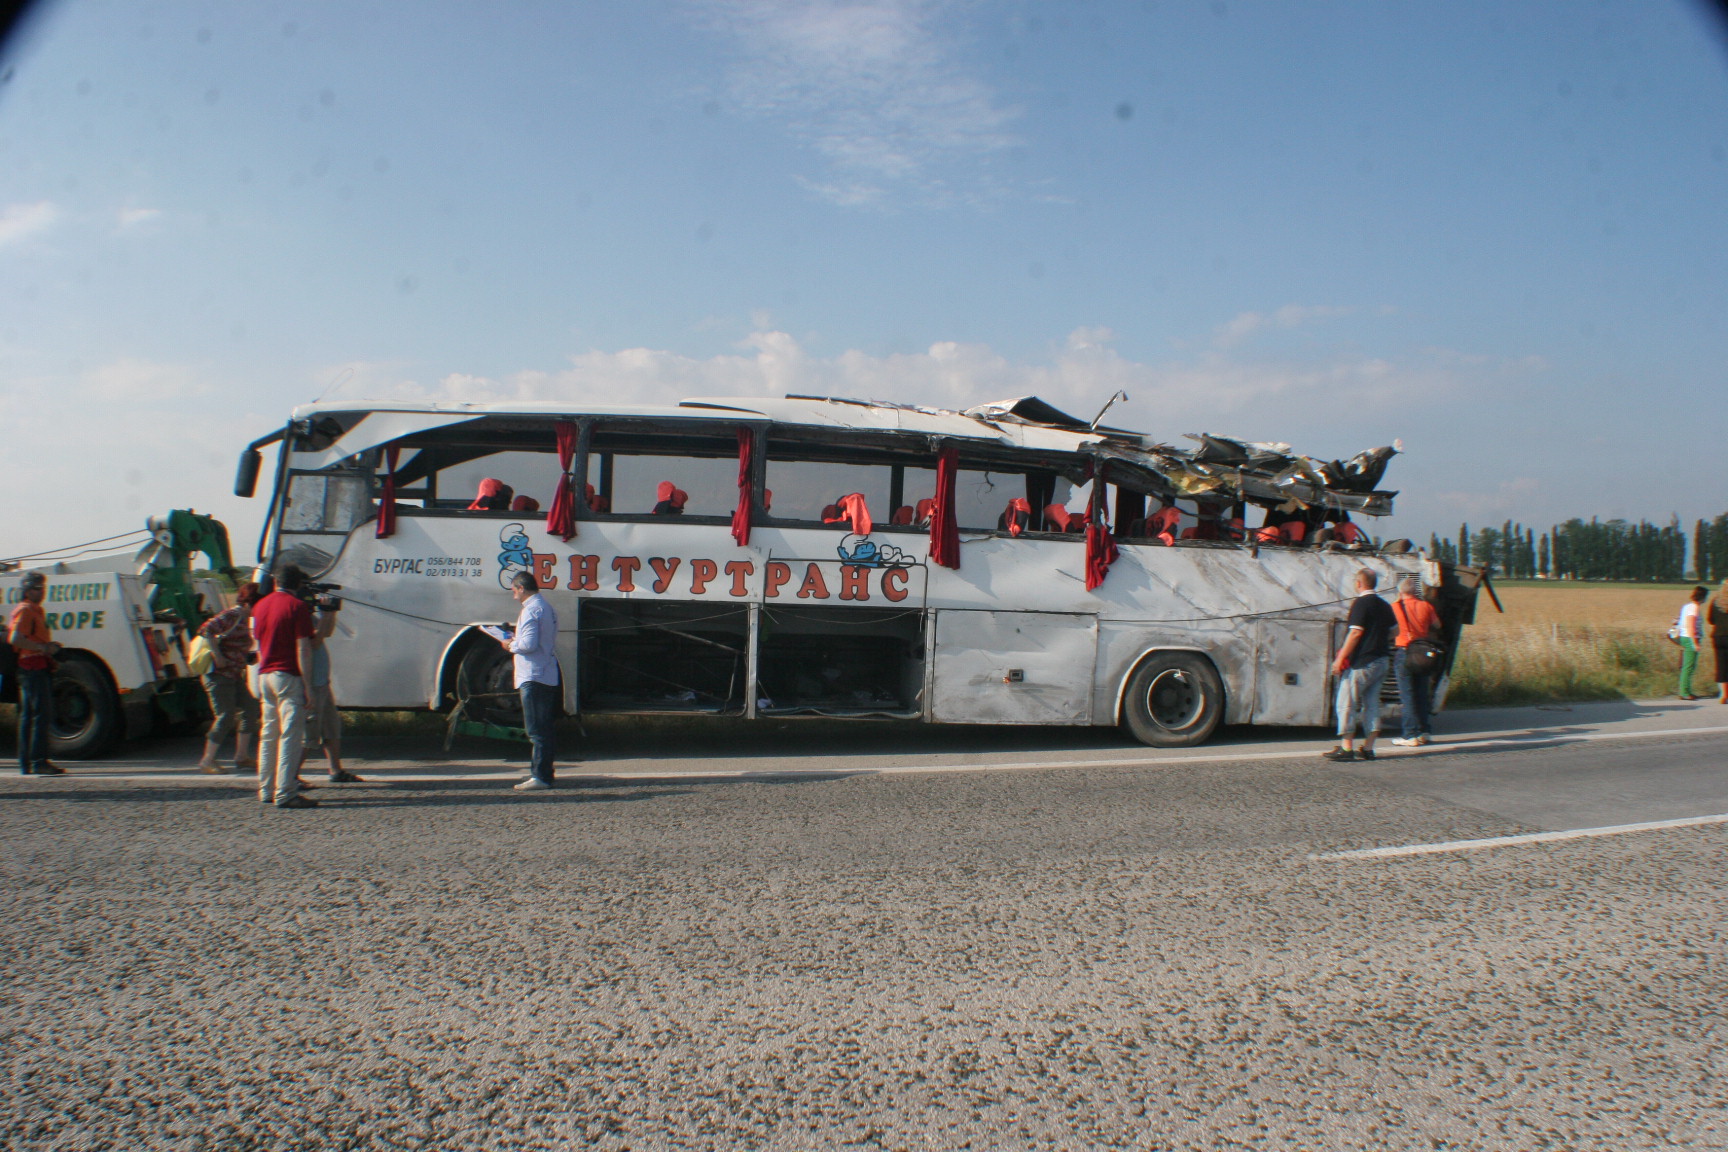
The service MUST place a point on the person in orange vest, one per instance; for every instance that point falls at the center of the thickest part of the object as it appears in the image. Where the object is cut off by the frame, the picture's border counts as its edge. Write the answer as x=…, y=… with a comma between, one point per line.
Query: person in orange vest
x=27, y=631
x=1417, y=620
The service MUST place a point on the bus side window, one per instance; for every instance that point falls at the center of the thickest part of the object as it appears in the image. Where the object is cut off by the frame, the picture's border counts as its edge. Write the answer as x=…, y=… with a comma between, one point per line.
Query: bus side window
x=982, y=495
x=531, y=474
x=661, y=468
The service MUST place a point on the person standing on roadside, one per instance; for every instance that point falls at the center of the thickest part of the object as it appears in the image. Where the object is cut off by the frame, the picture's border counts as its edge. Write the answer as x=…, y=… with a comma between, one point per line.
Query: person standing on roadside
x=1719, y=639
x=27, y=631
x=282, y=624
x=1361, y=669
x=1689, y=634
x=1417, y=620
x=533, y=645
x=232, y=708
x=323, y=718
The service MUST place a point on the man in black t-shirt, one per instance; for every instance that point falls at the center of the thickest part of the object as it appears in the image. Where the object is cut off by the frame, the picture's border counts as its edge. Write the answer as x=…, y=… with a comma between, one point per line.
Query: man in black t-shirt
x=1361, y=669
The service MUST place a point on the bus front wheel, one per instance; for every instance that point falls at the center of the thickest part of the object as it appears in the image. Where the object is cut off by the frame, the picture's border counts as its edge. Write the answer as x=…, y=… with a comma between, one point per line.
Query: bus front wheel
x=1174, y=700
x=485, y=682
x=87, y=718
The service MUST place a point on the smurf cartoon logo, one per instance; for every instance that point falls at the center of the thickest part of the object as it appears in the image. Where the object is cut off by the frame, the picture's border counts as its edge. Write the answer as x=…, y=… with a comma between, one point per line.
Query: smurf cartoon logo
x=863, y=552
x=516, y=556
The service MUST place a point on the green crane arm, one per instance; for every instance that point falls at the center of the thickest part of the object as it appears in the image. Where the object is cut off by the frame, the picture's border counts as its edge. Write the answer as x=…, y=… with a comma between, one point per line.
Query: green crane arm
x=183, y=534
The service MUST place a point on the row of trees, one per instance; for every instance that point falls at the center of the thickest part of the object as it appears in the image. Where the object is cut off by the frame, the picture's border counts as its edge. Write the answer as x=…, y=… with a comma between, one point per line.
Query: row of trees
x=1595, y=550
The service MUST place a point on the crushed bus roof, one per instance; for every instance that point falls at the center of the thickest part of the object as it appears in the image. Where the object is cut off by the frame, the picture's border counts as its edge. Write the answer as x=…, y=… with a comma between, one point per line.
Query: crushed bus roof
x=1217, y=467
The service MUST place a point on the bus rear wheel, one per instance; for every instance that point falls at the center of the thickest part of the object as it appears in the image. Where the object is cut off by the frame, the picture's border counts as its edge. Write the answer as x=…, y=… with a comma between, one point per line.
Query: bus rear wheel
x=87, y=719
x=1174, y=700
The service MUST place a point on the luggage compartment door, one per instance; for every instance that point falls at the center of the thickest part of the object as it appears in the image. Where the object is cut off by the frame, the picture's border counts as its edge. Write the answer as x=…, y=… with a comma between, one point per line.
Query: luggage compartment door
x=1291, y=673
x=1013, y=667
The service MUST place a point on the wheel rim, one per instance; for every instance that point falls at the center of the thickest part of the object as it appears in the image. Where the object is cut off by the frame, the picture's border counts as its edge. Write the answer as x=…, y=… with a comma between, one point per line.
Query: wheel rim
x=1174, y=700
x=74, y=711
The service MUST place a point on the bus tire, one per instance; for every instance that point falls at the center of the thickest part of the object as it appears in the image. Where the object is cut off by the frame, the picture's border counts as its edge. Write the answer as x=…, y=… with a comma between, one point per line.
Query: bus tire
x=486, y=680
x=1174, y=700
x=87, y=717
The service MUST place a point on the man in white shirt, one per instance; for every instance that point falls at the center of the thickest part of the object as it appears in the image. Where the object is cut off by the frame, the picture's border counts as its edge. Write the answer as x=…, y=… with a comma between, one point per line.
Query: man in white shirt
x=536, y=665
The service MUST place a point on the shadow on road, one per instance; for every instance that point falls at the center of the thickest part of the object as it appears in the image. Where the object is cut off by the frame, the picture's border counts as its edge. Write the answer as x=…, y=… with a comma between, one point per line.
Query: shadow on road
x=473, y=793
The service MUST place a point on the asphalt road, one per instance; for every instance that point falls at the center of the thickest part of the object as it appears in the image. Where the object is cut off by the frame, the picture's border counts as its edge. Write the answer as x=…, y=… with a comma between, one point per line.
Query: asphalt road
x=894, y=947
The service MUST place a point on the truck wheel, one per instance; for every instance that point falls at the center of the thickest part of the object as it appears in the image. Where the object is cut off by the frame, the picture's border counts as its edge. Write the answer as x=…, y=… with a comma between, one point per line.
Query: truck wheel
x=1174, y=700
x=485, y=678
x=87, y=720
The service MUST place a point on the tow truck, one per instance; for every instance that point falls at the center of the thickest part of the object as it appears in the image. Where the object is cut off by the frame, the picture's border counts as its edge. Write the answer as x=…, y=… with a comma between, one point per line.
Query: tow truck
x=124, y=624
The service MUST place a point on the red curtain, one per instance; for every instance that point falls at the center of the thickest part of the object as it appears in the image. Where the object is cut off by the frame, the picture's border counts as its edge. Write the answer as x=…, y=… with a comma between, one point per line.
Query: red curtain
x=387, y=505
x=1100, y=546
x=561, y=519
x=741, y=518
x=944, y=524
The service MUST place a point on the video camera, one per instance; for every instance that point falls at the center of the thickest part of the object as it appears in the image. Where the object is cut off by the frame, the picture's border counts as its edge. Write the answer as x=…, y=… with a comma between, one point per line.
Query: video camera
x=320, y=596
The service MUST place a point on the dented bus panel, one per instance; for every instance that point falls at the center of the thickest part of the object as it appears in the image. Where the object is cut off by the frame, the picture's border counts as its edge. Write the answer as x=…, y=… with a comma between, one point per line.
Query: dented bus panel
x=776, y=558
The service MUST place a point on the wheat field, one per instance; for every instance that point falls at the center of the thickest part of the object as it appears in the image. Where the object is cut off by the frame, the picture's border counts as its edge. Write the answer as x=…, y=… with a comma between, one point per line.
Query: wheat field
x=1559, y=642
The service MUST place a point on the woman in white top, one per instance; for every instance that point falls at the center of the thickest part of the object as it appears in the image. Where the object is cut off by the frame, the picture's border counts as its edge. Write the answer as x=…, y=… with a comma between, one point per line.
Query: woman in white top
x=1689, y=631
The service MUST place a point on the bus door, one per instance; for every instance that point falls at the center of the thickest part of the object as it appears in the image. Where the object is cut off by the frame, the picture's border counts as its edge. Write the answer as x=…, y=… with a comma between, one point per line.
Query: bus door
x=1013, y=667
x=1291, y=675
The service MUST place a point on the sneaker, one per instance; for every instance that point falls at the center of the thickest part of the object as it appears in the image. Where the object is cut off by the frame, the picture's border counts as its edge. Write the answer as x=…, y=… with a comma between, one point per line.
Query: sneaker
x=297, y=802
x=344, y=777
x=47, y=769
x=532, y=785
x=1365, y=754
x=1424, y=739
x=1338, y=754
x=214, y=770
x=1407, y=742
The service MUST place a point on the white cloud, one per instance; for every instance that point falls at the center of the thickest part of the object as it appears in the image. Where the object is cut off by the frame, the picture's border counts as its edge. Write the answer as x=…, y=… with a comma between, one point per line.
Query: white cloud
x=1246, y=324
x=123, y=441
x=1508, y=499
x=1343, y=397
x=149, y=436
x=142, y=382
x=21, y=221
x=875, y=88
x=136, y=219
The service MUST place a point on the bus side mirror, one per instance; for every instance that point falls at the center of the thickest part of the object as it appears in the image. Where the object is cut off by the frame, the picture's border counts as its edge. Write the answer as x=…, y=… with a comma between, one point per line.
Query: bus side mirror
x=246, y=479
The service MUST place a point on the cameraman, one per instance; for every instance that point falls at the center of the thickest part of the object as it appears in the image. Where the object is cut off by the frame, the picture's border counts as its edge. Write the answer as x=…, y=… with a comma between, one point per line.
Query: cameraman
x=282, y=624
x=323, y=719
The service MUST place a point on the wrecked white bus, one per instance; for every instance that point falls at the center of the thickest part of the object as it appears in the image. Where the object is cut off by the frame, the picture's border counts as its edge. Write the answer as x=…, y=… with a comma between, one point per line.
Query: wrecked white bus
x=824, y=557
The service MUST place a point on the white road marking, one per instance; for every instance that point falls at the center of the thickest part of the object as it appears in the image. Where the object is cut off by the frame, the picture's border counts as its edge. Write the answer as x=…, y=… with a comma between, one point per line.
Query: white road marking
x=1468, y=743
x=1507, y=841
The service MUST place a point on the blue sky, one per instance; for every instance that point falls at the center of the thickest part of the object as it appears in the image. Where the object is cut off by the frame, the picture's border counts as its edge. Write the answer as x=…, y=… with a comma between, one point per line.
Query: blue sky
x=1495, y=231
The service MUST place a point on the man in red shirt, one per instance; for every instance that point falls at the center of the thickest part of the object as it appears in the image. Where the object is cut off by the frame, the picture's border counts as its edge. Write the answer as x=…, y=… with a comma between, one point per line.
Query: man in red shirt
x=27, y=631
x=1417, y=620
x=282, y=625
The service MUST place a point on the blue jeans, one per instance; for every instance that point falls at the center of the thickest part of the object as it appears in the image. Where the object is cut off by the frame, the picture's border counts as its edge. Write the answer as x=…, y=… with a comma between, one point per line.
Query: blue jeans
x=1416, y=690
x=539, y=712
x=35, y=714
